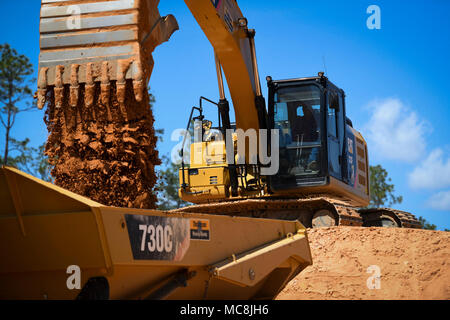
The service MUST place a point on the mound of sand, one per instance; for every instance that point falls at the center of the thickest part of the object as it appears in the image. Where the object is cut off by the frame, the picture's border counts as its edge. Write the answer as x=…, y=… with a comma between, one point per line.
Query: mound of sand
x=413, y=264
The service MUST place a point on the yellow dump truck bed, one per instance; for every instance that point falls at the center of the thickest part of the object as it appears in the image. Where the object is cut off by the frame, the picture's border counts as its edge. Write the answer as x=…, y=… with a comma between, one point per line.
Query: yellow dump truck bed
x=122, y=253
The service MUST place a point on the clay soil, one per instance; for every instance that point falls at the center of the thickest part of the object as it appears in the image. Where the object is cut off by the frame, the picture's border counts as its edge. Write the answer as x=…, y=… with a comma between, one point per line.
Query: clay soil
x=104, y=152
x=414, y=264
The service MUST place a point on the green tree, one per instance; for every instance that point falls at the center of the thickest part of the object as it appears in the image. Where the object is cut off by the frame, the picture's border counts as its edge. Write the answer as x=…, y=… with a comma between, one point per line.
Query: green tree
x=24, y=154
x=168, y=186
x=41, y=167
x=159, y=134
x=426, y=225
x=29, y=159
x=168, y=181
x=15, y=97
x=381, y=191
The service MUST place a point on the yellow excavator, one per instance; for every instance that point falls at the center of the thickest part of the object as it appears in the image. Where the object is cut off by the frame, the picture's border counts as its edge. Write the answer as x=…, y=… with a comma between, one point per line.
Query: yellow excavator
x=321, y=174
x=317, y=170
x=244, y=239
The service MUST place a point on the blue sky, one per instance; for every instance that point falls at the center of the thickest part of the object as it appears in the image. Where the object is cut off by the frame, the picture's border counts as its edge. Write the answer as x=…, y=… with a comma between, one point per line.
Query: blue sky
x=398, y=73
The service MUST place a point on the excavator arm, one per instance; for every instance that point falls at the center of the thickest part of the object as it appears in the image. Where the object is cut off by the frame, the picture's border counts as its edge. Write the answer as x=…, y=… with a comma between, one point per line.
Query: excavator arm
x=226, y=28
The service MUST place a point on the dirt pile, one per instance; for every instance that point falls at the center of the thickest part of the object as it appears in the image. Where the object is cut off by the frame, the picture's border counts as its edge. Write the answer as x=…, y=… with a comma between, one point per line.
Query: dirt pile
x=106, y=150
x=413, y=264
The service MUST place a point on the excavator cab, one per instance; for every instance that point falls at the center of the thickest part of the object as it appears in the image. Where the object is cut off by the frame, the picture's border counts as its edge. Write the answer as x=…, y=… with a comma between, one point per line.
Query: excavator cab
x=318, y=146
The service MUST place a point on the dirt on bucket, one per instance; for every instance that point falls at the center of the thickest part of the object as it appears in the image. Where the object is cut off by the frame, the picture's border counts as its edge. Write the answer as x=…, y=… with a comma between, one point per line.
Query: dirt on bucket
x=106, y=152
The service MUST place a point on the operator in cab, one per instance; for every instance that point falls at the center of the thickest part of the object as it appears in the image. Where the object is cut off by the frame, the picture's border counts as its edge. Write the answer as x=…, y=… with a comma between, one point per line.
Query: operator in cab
x=304, y=127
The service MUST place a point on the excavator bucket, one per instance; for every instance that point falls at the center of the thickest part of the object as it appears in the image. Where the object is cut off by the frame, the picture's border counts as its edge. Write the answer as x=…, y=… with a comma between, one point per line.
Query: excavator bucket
x=59, y=245
x=95, y=41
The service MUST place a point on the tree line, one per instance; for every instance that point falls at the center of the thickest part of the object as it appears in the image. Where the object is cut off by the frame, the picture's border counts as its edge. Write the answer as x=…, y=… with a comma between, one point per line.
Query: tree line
x=16, y=97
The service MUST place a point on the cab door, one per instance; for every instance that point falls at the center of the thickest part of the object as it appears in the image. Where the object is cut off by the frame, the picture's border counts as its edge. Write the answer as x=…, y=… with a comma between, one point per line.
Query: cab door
x=335, y=133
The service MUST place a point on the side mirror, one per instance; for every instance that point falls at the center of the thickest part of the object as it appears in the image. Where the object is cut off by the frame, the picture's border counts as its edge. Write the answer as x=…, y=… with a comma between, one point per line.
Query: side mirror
x=333, y=102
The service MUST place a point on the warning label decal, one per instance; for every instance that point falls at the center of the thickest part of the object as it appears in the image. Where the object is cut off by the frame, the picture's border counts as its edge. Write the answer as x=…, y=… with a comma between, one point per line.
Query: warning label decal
x=200, y=230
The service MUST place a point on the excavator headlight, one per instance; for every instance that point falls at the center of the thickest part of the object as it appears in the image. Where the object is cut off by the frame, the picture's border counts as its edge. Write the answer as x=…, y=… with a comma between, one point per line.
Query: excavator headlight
x=243, y=22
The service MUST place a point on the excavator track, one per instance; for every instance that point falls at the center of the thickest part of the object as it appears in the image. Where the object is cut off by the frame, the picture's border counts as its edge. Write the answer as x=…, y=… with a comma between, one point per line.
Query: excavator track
x=386, y=217
x=312, y=212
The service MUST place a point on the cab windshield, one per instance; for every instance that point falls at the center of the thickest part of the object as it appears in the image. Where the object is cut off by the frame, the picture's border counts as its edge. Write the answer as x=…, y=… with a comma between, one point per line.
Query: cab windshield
x=297, y=114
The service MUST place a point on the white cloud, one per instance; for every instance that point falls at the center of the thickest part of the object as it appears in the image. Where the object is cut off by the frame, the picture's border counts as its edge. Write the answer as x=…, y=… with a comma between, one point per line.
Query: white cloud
x=395, y=132
x=432, y=173
x=440, y=201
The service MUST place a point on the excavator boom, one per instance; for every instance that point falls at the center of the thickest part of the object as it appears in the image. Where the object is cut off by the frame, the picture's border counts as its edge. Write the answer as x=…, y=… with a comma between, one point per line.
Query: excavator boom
x=226, y=28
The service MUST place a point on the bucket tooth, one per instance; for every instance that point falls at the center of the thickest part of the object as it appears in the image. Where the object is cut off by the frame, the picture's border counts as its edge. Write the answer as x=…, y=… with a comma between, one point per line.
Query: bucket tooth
x=74, y=86
x=59, y=86
x=105, y=86
x=41, y=98
x=90, y=86
x=122, y=69
x=42, y=88
x=138, y=83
